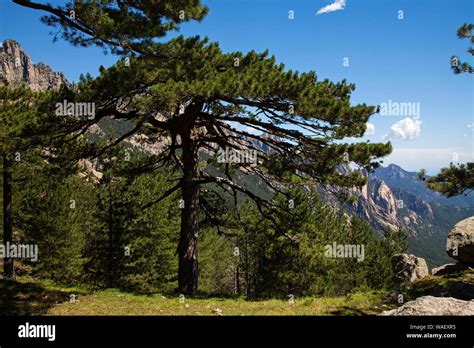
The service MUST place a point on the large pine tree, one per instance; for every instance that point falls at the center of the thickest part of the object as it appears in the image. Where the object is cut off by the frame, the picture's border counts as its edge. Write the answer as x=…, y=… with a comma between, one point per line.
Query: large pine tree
x=192, y=98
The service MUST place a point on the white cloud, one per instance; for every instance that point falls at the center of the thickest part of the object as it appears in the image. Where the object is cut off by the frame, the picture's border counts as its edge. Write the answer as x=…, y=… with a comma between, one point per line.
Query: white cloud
x=370, y=130
x=471, y=125
x=406, y=129
x=335, y=6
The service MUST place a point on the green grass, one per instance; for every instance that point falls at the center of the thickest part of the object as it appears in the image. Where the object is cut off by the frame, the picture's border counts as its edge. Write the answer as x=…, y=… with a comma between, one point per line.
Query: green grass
x=114, y=302
x=25, y=296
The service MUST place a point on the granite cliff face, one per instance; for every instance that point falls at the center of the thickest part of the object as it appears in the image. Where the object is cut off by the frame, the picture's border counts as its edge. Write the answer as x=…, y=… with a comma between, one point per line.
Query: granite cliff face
x=375, y=202
x=389, y=207
x=17, y=68
x=395, y=203
x=396, y=198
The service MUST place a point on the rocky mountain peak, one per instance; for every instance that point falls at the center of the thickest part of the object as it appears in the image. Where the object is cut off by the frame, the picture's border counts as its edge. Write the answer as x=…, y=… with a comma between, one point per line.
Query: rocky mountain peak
x=395, y=171
x=392, y=166
x=17, y=68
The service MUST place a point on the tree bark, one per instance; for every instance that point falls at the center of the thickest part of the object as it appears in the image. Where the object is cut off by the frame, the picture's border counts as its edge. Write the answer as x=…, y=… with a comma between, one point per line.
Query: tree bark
x=110, y=224
x=237, y=280
x=7, y=215
x=188, y=244
x=247, y=269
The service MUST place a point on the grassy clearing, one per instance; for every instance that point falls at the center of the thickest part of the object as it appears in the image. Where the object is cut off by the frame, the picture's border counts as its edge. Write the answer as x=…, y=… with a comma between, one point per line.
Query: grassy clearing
x=26, y=296
x=112, y=302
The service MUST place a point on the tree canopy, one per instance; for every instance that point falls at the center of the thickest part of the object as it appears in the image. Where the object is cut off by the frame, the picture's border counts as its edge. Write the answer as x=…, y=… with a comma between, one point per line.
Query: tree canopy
x=453, y=180
x=464, y=32
x=192, y=99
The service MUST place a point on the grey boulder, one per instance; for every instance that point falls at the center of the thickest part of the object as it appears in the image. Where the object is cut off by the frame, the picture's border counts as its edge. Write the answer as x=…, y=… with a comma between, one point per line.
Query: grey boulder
x=430, y=305
x=460, y=243
x=408, y=268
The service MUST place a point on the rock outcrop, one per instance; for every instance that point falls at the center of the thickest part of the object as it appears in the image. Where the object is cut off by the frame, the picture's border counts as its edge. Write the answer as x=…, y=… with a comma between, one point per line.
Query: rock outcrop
x=460, y=289
x=17, y=68
x=375, y=202
x=460, y=243
x=449, y=268
x=430, y=305
x=408, y=268
x=385, y=205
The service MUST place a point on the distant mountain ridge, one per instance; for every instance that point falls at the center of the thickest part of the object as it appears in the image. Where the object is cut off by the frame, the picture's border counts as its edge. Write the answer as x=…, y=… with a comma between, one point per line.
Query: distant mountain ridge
x=398, y=178
x=398, y=199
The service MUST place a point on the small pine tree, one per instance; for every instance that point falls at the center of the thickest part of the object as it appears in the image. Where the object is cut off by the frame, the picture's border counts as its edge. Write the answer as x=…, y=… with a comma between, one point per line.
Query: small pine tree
x=464, y=32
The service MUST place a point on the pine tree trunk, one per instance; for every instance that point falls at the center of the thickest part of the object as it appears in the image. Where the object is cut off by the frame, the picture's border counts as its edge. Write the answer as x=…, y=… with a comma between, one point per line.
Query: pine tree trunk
x=188, y=243
x=110, y=224
x=237, y=280
x=247, y=268
x=7, y=215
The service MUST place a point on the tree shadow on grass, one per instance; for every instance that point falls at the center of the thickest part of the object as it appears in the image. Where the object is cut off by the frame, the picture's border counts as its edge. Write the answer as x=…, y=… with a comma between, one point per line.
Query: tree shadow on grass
x=18, y=298
x=346, y=310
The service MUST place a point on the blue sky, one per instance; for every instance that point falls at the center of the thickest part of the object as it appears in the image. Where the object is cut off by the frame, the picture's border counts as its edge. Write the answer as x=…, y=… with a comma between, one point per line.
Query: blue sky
x=403, y=60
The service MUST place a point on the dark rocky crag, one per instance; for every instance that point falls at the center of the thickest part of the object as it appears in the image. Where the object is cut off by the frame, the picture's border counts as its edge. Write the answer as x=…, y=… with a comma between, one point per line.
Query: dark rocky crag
x=17, y=68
